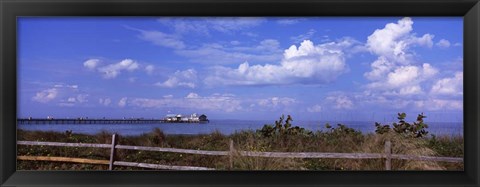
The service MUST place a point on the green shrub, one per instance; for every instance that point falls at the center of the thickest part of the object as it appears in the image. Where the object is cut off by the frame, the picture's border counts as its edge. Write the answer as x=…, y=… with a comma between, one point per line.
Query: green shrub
x=342, y=130
x=282, y=129
x=416, y=130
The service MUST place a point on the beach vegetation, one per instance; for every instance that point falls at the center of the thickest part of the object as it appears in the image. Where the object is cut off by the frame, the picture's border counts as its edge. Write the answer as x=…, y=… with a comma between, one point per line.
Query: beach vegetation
x=282, y=136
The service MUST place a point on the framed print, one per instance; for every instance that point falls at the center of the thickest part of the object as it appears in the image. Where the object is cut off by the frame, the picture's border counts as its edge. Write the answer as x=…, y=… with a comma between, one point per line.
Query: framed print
x=239, y=93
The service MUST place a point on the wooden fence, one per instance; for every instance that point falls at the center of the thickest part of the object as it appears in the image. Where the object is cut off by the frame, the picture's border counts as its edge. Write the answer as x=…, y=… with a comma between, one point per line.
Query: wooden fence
x=387, y=155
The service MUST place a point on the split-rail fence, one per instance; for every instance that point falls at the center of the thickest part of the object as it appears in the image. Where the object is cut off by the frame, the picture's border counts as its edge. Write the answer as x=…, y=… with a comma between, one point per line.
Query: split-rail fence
x=387, y=155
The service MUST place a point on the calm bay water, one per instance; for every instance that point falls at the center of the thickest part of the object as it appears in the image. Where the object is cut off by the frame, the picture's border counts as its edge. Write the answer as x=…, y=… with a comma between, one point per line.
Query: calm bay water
x=224, y=126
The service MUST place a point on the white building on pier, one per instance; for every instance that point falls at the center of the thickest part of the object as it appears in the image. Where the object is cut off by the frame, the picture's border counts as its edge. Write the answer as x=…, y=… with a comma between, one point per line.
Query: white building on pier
x=185, y=118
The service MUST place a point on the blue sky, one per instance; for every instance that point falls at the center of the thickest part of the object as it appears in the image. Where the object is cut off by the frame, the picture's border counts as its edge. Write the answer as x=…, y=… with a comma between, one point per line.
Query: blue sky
x=323, y=68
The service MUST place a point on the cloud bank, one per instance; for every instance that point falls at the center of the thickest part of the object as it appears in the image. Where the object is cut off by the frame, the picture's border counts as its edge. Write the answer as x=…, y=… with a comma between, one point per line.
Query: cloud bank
x=305, y=64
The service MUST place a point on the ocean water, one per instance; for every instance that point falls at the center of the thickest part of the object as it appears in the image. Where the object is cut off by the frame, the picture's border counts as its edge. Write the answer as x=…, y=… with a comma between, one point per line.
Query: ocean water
x=224, y=126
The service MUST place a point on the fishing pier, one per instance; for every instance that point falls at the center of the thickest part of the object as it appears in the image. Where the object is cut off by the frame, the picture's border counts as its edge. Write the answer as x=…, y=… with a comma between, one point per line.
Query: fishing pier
x=100, y=121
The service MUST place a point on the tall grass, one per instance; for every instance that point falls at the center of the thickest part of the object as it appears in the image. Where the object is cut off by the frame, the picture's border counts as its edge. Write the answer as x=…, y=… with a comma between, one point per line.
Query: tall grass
x=400, y=145
x=329, y=141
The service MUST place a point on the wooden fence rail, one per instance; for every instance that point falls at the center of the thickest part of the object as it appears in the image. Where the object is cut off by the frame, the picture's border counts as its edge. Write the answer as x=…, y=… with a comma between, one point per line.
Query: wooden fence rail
x=173, y=150
x=61, y=144
x=63, y=159
x=113, y=146
x=107, y=162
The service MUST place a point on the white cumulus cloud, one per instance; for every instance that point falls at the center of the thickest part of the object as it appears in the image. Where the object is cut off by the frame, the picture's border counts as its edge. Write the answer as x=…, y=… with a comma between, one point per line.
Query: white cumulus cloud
x=452, y=86
x=443, y=43
x=340, y=102
x=395, y=71
x=380, y=67
x=122, y=102
x=187, y=78
x=395, y=39
x=403, y=80
x=45, y=95
x=91, y=63
x=113, y=70
x=305, y=64
x=402, y=76
x=62, y=94
x=149, y=69
x=82, y=98
x=104, y=102
x=73, y=100
x=192, y=96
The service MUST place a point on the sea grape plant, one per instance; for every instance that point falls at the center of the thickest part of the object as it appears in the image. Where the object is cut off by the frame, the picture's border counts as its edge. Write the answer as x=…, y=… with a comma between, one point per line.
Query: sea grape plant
x=341, y=129
x=283, y=128
x=416, y=129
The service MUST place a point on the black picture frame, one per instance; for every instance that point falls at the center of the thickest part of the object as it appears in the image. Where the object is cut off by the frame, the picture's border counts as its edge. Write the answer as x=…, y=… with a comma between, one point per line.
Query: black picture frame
x=11, y=9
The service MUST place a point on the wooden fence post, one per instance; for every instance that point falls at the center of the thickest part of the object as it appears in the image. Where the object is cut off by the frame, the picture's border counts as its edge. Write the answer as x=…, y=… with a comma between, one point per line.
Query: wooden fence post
x=112, y=151
x=231, y=152
x=388, y=155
